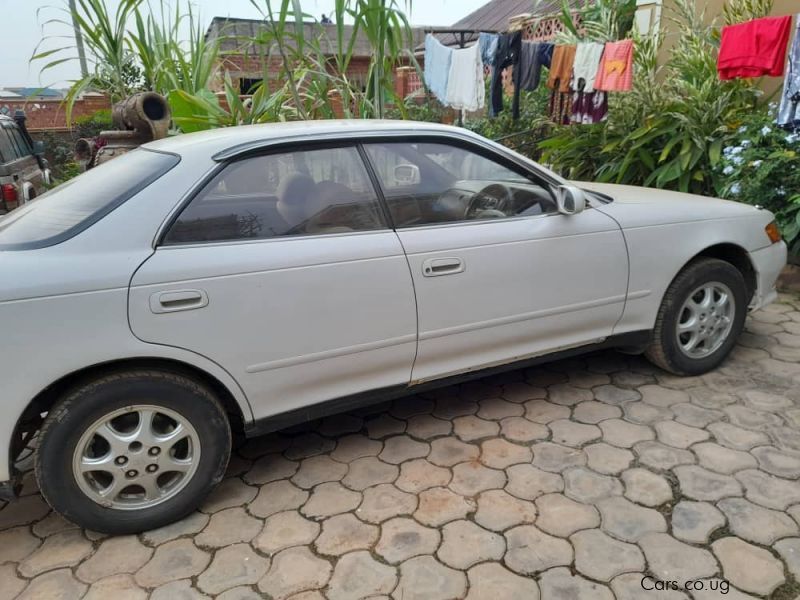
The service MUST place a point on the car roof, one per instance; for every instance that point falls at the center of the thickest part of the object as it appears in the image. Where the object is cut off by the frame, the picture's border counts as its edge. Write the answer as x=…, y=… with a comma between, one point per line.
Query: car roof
x=226, y=141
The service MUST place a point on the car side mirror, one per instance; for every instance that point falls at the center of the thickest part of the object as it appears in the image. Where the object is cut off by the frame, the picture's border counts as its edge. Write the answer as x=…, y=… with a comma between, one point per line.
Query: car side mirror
x=38, y=147
x=570, y=199
x=406, y=174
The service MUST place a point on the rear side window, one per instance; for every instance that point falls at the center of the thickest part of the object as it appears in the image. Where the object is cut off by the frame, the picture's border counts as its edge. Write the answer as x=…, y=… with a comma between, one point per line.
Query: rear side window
x=70, y=208
x=8, y=151
x=304, y=192
x=23, y=148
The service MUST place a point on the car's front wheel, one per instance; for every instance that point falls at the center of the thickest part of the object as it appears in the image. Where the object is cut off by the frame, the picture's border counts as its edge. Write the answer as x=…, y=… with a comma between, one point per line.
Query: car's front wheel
x=132, y=450
x=700, y=318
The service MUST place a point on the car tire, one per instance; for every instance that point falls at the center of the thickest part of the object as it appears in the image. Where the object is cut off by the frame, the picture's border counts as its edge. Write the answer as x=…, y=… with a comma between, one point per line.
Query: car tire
x=132, y=450
x=700, y=318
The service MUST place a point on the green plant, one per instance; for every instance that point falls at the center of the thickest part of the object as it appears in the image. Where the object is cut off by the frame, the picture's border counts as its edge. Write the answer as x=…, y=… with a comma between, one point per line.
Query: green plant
x=599, y=21
x=759, y=166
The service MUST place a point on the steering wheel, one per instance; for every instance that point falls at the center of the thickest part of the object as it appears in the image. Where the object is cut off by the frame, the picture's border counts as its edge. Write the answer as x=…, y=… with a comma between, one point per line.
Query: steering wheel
x=492, y=201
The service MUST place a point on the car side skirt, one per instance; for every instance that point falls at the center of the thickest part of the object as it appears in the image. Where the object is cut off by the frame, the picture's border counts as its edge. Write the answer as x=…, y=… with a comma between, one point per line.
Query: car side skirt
x=635, y=341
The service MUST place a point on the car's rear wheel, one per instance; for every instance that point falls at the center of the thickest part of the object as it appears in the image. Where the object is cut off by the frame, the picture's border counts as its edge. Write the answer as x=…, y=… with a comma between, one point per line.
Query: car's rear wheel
x=700, y=318
x=132, y=450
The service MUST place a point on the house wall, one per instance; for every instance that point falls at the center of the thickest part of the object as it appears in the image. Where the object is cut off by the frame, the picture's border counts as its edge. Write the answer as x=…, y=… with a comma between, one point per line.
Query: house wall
x=50, y=115
x=652, y=12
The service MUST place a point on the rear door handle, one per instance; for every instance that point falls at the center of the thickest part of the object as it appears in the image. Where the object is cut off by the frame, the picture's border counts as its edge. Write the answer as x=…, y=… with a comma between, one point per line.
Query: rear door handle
x=434, y=267
x=176, y=300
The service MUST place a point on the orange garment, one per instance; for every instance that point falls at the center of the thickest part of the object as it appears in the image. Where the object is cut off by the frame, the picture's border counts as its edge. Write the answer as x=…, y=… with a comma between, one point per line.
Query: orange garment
x=754, y=48
x=616, y=67
x=561, y=67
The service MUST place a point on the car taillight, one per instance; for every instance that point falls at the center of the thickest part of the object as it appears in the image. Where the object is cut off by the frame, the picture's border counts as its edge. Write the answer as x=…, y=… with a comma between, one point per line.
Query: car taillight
x=773, y=233
x=9, y=192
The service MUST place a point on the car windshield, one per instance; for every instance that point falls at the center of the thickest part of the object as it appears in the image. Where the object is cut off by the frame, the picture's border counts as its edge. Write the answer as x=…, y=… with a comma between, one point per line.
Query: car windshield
x=70, y=208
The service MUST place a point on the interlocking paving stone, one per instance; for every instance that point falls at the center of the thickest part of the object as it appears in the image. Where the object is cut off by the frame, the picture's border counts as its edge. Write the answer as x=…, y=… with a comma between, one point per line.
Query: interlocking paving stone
x=55, y=585
x=499, y=453
x=555, y=457
x=16, y=544
x=789, y=549
x=284, y=530
x=403, y=538
x=670, y=559
x=490, y=581
x=628, y=521
x=294, y=570
x=645, y=487
x=723, y=460
x=694, y=522
x=601, y=557
x=438, y=506
x=589, y=487
x=118, y=587
x=769, y=491
x=748, y=567
x=114, y=556
x=358, y=575
x=698, y=483
x=498, y=510
x=424, y=578
x=528, y=482
x=232, y=566
x=471, y=478
x=464, y=544
x=64, y=549
x=529, y=550
x=419, y=474
x=755, y=523
x=557, y=480
x=385, y=501
x=661, y=457
x=174, y=560
x=606, y=459
x=560, y=583
x=345, y=533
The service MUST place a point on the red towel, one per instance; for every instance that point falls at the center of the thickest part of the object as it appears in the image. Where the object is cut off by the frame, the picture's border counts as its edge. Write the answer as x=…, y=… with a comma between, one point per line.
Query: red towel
x=754, y=48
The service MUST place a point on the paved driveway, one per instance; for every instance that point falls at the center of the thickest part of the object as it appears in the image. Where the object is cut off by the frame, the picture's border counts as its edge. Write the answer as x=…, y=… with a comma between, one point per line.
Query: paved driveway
x=573, y=480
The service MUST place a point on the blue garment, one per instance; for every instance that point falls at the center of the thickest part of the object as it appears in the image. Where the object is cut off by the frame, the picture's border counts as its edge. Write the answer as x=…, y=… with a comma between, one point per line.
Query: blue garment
x=437, y=67
x=488, y=44
x=789, y=112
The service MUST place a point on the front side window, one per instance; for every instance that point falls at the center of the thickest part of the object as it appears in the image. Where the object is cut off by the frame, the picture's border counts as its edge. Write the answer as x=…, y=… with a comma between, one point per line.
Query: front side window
x=426, y=183
x=305, y=192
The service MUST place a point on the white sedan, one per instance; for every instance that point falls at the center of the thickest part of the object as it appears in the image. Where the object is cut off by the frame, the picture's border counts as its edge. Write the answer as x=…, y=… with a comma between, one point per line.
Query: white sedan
x=247, y=279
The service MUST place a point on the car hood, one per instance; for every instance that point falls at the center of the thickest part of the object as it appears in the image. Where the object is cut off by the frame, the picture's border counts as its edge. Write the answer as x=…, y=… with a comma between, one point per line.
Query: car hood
x=639, y=206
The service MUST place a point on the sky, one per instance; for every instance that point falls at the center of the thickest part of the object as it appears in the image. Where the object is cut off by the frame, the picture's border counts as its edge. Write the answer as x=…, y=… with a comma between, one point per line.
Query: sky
x=22, y=30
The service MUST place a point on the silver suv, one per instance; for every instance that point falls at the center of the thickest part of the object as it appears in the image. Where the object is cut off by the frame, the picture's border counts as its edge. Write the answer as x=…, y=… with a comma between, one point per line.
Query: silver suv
x=23, y=171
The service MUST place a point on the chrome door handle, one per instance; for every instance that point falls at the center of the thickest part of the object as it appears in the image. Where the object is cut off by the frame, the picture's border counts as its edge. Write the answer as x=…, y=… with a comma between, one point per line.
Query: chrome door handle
x=434, y=267
x=176, y=300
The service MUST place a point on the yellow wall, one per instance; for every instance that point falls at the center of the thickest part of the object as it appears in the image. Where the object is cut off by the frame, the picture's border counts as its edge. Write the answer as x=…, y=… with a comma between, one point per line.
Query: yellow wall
x=713, y=12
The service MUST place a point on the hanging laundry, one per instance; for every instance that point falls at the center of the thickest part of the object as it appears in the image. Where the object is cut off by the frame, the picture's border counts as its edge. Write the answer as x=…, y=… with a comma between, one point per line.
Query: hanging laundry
x=587, y=62
x=754, y=48
x=507, y=55
x=590, y=108
x=465, y=84
x=488, y=44
x=561, y=68
x=437, y=67
x=533, y=56
x=616, y=67
x=789, y=112
x=559, y=108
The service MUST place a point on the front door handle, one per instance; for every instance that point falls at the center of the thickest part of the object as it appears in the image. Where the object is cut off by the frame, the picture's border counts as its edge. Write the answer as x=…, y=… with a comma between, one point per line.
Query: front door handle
x=176, y=300
x=434, y=267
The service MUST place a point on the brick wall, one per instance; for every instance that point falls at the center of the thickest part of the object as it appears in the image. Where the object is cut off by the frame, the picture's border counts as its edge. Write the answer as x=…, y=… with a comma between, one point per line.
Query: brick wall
x=50, y=115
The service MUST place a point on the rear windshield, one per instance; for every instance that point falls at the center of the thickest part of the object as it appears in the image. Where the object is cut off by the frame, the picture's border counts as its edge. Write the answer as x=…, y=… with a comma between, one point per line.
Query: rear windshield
x=65, y=211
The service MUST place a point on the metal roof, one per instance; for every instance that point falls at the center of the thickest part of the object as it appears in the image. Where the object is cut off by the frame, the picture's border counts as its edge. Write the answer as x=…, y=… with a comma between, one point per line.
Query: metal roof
x=236, y=33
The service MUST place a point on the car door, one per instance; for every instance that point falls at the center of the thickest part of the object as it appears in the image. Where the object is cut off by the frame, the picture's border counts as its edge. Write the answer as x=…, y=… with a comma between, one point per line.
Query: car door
x=284, y=271
x=499, y=274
